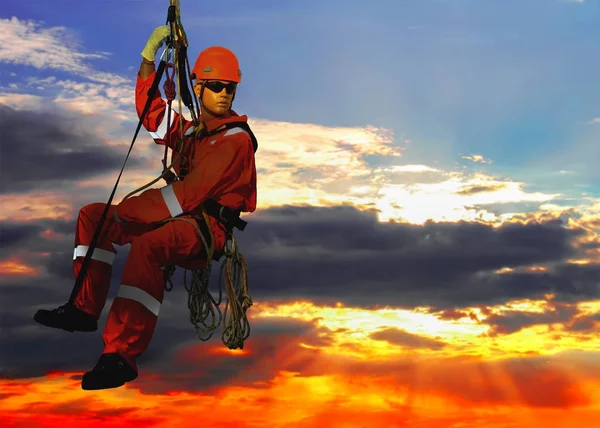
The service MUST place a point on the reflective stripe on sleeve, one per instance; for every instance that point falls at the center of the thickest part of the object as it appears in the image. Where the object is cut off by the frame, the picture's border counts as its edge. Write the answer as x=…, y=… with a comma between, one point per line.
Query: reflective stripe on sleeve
x=99, y=254
x=171, y=201
x=161, y=132
x=140, y=296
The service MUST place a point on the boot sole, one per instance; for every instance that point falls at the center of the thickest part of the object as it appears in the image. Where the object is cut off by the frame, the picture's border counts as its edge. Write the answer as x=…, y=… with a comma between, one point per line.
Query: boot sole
x=93, y=381
x=91, y=385
x=63, y=327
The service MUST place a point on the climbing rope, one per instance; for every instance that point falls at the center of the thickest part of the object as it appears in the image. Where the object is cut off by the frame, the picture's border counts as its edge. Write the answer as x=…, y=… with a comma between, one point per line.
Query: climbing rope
x=234, y=270
x=202, y=304
x=170, y=93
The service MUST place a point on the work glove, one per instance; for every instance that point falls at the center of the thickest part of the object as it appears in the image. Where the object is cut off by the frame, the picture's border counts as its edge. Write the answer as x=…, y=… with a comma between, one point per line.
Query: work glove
x=156, y=40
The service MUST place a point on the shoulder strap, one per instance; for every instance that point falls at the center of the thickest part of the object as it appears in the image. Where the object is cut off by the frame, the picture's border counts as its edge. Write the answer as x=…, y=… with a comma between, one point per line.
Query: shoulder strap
x=231, y=125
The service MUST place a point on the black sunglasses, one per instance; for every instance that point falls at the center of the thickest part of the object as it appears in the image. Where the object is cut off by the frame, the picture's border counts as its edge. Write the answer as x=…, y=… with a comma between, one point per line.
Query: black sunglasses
x=216, y=86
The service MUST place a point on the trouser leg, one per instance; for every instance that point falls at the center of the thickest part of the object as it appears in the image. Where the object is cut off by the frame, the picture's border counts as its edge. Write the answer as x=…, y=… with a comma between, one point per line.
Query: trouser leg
x=92, y=295
x=134, y=312
x=94, y=289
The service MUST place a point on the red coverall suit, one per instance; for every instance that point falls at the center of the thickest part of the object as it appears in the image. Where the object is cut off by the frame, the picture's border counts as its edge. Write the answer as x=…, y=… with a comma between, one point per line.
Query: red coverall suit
x=221, y=167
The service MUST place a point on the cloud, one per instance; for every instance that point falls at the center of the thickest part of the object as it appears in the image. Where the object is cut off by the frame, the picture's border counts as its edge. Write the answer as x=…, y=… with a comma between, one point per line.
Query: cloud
x=477, y=159
x=302, y=164
x=14, y=266
x=511, y=321
x=28, y=43
x=106, y=97
x=23, y=102
x=51, y=152
x=472, y=190
x=339, y=251
x=38, y=205
x=298, y=163
x=309, y=164
x=336, y=254
x=408, y=340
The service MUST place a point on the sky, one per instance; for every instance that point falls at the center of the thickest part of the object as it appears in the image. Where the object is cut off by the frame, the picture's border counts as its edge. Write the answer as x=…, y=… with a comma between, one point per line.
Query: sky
x=426, y=247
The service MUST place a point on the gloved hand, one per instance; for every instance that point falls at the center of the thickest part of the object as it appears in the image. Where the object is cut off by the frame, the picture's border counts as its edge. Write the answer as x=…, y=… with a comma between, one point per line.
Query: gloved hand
x=155, y=41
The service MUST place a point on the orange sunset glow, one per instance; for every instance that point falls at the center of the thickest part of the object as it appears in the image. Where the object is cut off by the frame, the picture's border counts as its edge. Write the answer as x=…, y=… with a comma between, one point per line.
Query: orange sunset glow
x=15, y=267
x=379, y=367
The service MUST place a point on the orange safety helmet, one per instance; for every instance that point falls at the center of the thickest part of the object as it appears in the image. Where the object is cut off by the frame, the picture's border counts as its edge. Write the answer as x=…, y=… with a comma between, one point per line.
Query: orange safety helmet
x=217, y=63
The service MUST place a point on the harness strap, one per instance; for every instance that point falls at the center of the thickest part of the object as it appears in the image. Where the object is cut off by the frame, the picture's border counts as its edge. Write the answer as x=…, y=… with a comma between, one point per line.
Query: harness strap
x=202, y=132
x=228, y=217
x=244, y=126
x=204, y=228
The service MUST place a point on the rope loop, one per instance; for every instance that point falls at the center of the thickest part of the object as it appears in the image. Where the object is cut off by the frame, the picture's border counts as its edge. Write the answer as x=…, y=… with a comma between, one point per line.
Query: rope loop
x=169, y=85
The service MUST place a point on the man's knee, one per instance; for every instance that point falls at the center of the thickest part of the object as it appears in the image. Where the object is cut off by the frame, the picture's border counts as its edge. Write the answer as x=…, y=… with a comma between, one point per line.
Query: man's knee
x=157, y=246
x=143, y=245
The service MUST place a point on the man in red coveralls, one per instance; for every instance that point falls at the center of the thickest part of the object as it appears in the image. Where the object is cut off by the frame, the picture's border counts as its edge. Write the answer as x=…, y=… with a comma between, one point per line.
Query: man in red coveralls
x=220, y=167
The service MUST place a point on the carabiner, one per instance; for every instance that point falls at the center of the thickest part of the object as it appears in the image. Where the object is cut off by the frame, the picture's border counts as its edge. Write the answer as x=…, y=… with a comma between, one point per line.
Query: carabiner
x=232, y=249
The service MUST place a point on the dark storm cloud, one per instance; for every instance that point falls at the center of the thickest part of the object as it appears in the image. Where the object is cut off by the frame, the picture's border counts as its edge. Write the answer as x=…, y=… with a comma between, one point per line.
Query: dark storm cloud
x=554, y=313
x=341, y=254
x=584, y=324
x=44, y=150
x=513, y=321
x=13, y=234
x=325, y=255
x=28, y=236
x=455, y=314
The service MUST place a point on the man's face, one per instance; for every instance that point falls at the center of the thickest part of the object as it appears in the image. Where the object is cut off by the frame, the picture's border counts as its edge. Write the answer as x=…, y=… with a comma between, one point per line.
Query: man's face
x=217, y=96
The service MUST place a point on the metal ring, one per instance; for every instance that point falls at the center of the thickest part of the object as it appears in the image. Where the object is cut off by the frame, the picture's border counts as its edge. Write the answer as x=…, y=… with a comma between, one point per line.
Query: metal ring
x=221, y=216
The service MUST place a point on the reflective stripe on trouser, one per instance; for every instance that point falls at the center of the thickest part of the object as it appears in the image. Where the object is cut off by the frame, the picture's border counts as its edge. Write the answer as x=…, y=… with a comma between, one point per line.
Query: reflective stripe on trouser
x=94, y=290
x=134, y=311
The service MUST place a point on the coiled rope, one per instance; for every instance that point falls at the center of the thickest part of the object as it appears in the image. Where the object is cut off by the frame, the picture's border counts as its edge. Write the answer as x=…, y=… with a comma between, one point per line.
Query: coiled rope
x=201, y=303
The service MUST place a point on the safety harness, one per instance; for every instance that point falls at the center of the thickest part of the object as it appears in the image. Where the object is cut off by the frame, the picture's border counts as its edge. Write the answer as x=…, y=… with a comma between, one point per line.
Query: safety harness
x=233, y=273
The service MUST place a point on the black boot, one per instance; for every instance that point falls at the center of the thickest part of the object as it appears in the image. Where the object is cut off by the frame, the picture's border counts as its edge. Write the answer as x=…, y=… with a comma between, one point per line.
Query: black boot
x=111, y=371
x=67, y=317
